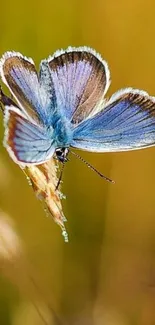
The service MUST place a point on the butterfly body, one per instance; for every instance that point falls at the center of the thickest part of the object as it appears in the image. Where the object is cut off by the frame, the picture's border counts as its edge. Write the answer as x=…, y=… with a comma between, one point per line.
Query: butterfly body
x=63, y=133
x=63, y=106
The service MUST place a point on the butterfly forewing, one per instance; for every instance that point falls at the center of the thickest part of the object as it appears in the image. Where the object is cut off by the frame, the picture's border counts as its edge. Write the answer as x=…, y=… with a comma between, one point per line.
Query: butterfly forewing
x=20, y=75
x=80, y=78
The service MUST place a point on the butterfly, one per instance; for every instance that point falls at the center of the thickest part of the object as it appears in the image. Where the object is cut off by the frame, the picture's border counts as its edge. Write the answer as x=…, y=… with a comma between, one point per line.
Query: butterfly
x=64, y=106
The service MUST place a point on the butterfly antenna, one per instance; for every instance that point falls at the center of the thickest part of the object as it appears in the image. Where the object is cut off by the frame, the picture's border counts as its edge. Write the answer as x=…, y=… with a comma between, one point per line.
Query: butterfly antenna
x=60, y=177
x=92, y=167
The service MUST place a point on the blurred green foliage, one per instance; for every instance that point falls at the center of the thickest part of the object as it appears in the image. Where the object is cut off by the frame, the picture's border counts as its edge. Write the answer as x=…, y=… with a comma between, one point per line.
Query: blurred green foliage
x=106, y=273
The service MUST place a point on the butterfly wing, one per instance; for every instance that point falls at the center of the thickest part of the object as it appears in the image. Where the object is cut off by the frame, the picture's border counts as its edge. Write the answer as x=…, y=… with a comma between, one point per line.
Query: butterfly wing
x=79, y=78
x=26, y=142
x=71, y=82
x=26, y=137
x=127, y=122
x=20, y=76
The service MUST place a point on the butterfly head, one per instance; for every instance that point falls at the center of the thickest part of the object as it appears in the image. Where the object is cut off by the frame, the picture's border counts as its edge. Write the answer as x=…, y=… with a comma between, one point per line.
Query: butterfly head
x=61, y=154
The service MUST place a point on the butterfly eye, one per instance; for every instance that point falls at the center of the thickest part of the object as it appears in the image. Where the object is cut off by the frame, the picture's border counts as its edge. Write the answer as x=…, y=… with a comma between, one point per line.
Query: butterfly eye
x=61, y=154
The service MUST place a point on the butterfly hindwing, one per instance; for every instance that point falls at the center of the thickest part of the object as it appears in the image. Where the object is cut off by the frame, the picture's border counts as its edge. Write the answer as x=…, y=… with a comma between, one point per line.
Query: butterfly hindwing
x=79, y=78
x=26, y=142
x=126, y=123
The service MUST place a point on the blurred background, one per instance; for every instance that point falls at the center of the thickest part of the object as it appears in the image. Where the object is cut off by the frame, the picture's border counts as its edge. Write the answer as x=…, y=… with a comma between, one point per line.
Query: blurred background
x=106, y=273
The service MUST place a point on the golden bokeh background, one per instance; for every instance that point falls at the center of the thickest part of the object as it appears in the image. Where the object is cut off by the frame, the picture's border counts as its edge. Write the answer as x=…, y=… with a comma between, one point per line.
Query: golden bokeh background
x=106, y=273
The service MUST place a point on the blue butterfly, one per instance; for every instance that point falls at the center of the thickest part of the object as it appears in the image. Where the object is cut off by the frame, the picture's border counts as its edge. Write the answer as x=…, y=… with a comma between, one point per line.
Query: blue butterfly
x=63, y=106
